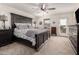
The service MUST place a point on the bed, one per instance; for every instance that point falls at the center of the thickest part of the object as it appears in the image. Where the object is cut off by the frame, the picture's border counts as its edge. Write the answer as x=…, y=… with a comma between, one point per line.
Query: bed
x=31, y=37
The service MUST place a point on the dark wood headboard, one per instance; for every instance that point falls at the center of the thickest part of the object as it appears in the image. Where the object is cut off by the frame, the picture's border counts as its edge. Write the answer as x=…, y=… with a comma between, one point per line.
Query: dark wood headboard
x=15, y=18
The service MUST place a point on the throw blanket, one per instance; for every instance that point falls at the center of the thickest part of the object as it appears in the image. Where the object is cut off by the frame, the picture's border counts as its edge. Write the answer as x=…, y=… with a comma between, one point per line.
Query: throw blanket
x=31, y=33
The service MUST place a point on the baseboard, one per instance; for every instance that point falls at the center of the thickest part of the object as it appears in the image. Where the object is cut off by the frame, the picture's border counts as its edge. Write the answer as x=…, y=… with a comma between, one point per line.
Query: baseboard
x=63, y=36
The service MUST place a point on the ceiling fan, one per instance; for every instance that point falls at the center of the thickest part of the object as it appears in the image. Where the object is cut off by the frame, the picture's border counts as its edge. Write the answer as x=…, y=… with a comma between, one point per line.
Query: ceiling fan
x=44, y=7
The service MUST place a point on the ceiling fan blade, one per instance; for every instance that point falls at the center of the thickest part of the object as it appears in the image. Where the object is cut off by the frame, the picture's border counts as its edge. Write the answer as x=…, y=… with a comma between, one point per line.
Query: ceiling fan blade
x=51, y=8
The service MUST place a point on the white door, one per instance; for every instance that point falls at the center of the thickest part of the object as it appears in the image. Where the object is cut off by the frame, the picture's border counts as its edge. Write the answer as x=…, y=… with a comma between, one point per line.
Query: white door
x=63, y=27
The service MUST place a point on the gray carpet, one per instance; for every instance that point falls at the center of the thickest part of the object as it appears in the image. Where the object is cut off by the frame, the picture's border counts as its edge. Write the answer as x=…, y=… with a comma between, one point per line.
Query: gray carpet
x=53, y=46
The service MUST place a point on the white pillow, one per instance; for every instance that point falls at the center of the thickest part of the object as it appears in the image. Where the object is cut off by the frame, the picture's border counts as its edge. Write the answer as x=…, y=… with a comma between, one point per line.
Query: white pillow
x=23, y=25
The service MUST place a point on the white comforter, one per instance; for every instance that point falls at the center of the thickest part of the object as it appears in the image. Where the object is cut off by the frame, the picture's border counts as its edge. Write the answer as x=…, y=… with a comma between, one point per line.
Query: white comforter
x=28, y=34
x=21, y=33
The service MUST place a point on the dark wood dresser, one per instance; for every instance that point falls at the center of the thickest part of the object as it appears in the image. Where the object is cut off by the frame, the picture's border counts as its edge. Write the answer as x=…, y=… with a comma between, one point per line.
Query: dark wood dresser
x=53, y=31
x=5, y=37
x=73, y=36
x=77, y=24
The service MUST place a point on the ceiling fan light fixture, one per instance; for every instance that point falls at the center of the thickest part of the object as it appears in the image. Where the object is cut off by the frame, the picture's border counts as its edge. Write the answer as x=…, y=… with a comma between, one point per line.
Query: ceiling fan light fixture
x=43, y=7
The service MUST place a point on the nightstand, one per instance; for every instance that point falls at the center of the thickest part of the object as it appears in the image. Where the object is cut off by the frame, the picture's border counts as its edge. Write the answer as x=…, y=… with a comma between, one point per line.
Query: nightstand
x=5, y=37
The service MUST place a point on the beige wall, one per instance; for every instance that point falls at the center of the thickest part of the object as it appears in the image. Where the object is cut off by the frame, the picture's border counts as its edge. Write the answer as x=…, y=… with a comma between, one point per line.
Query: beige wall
x=7, y=10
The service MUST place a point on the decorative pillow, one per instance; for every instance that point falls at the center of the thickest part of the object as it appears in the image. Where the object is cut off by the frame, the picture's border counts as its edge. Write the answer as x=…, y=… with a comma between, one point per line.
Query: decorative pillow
x=29, y=26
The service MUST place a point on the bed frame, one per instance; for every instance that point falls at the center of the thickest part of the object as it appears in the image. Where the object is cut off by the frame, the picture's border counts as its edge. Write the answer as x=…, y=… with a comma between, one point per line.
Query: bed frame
x=40, y=37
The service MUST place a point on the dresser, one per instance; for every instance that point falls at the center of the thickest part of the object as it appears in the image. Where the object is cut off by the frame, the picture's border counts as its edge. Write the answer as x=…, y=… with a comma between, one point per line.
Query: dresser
x=73, y=36
x=5, y=37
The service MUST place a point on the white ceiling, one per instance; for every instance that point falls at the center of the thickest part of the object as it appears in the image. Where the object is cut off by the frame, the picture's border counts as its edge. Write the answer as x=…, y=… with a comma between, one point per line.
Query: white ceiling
x=34, y=8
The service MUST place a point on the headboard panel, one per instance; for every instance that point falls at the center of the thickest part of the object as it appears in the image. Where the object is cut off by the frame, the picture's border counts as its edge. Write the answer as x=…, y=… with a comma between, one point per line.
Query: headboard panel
x=20, y=19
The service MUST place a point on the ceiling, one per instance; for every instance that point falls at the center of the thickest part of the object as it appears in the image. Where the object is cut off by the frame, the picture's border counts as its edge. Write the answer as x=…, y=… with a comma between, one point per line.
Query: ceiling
x=34, y=8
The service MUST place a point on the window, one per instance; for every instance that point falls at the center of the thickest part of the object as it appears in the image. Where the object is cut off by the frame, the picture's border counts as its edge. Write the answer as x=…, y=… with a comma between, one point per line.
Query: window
x=63, y=23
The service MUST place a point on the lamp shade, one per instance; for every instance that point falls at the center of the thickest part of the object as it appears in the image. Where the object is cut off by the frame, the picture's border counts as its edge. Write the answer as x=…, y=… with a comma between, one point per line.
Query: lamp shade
x=3, y=18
